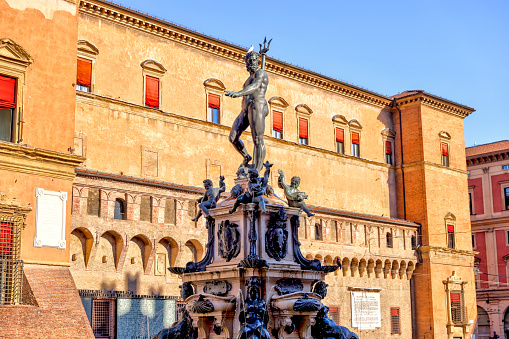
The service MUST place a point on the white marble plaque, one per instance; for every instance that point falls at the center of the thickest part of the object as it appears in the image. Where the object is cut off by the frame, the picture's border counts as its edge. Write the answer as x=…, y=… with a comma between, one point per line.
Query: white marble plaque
x=366, y=310
x=50, y=219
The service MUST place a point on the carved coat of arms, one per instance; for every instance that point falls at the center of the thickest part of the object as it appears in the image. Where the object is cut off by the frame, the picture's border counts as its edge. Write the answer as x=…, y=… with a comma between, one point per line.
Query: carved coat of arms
x=276, y=237
x=228, y=237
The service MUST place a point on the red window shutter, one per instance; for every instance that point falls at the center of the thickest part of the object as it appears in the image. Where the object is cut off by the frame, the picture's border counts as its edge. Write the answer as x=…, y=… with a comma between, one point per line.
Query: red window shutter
x=84, y=76
x=277, y=121
x=388, y=147
x=152, y=92
x=340, y=135
x=445, y=149
x=455, y=297
x=303, y=128
x=450, y=228
x=214, y=101
x=5, y=238
x=394, y=312
x=355, y=138
x=7, y=92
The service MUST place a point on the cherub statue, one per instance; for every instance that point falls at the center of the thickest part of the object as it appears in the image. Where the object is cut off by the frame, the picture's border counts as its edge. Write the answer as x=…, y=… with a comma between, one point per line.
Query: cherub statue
x=293, y=195
x=210, y=197
x=256, y=188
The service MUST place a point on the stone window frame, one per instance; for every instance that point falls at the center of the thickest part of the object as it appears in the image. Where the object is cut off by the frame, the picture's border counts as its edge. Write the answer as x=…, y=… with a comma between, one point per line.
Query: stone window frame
x=471, y=200
x=281, y=105
x=450, y=219
x=355, y=127
x=503, y=185
x=388, y=135
x=456, y=284
x=153, y=69
x=217, y=87
x=445, y=138
x=303, y=111
x=339, y=121
x=14, y=61
x=87, y=50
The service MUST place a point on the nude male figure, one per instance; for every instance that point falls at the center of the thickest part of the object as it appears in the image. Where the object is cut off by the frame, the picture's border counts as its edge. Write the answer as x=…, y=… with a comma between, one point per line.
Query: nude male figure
x=254, y=109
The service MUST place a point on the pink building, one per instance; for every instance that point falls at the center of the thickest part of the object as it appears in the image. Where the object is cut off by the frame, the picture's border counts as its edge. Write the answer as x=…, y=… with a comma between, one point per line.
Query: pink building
x=488, y=190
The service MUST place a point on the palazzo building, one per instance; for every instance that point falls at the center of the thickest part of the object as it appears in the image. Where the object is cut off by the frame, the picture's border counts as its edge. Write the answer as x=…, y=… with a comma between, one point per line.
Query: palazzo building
x=386, y=176
x=488, y=191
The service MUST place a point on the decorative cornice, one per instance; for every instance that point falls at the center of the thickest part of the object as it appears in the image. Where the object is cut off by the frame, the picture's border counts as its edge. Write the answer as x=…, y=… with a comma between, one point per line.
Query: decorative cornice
x=446, y=250
x=487, y=158
x=432, y=164
x=22, y=158
x=12, y=208
x=435, y=102
x=479, y=224
x=130, y=18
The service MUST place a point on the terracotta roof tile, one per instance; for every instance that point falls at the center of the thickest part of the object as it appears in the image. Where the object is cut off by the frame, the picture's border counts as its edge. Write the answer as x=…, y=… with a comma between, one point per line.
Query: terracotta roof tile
x=496, y=146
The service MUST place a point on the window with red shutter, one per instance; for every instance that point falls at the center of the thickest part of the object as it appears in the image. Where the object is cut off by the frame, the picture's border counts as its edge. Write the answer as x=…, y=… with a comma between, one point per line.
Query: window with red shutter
x=340, y=140
x=355, y=144
x=303, y=131
x=445, y=154
x=84, y=75
x=458, y=309
x=213, y=109
x=277, y=124
x=395, y=321
x=7, y=107
x=450, y=236
x=151, y=92
x=388, y=152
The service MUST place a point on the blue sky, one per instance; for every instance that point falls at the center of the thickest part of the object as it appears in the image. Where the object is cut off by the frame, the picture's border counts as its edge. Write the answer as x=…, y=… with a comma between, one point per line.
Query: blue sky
x=458, y=50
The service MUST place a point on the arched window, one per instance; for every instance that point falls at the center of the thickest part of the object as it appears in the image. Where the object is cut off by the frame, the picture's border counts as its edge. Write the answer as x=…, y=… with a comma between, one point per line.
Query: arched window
x=119, y=209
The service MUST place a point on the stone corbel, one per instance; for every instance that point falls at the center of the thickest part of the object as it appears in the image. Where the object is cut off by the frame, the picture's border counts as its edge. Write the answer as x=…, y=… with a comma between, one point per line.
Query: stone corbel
x=305, y=327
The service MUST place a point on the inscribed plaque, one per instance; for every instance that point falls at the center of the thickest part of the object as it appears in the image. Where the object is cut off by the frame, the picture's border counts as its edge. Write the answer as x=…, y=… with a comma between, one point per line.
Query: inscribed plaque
x=50, y=218
x=366, y=310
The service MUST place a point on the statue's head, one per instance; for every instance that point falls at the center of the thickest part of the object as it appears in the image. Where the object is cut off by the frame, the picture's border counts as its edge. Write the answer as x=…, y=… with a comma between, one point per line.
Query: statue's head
x=295, y=182
x=236, y=191
x=320, y=288
x=207, y=183
x=253, y=288
x=186, y=290
x=253, y=174
x=252, y=59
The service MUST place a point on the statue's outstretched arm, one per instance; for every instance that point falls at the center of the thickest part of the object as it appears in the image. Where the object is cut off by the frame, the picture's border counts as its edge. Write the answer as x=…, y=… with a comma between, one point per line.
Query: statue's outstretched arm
x=249, y=89
x=281, y=181
x=267, y=165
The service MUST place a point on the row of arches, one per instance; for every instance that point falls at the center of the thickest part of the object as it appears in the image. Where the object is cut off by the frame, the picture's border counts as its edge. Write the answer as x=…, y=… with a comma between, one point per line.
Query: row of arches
x=371, y=267
x=112, y=251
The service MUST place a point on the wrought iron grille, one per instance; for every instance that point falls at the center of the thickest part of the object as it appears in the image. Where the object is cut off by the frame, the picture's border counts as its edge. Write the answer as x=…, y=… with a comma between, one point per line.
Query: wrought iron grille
x=11, y=269
x=11, y=281
x=103, y=318
x=458, y=309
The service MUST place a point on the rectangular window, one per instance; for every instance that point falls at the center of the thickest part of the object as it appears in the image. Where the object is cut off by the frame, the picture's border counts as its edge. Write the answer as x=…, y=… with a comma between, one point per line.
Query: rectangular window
x=213, y=109
x=458, y=310
x=388, y=152
x=170, y=215
x=473, y=241
x=506, y=197
x=84, y=75
x=334, y=314
x=334, y=230
x=151, y=92
x=277, y=124
x=103, y=318
x=318, y=232
x=7, y=107
x=340, y=140
x=346, y=233
x=355, y=145
x=388, y=238
x=303, y=131
x=450, y=236
x=146, y=208
x=504, y=167
x=445, y=154
x=470, y=203
x=395, y=321
x=93, y=202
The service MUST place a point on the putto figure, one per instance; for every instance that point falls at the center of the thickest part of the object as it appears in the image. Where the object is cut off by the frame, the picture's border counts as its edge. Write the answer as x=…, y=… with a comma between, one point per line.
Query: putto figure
x=254, y=316
x=256, y=188
x=293, y=195
x=210, y=197
x=254, y=108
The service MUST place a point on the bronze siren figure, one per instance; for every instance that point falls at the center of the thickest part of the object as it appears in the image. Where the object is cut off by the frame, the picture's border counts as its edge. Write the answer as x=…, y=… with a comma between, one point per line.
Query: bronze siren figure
x=254, y=109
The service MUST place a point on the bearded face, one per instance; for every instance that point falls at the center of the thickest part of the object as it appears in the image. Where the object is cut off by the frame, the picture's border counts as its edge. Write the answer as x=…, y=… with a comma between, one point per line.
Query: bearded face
x=252, y=62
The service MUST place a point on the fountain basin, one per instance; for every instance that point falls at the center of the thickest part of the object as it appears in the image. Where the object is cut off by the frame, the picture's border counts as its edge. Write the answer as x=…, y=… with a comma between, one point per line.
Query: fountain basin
x=306, y=302
x=201, y=303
